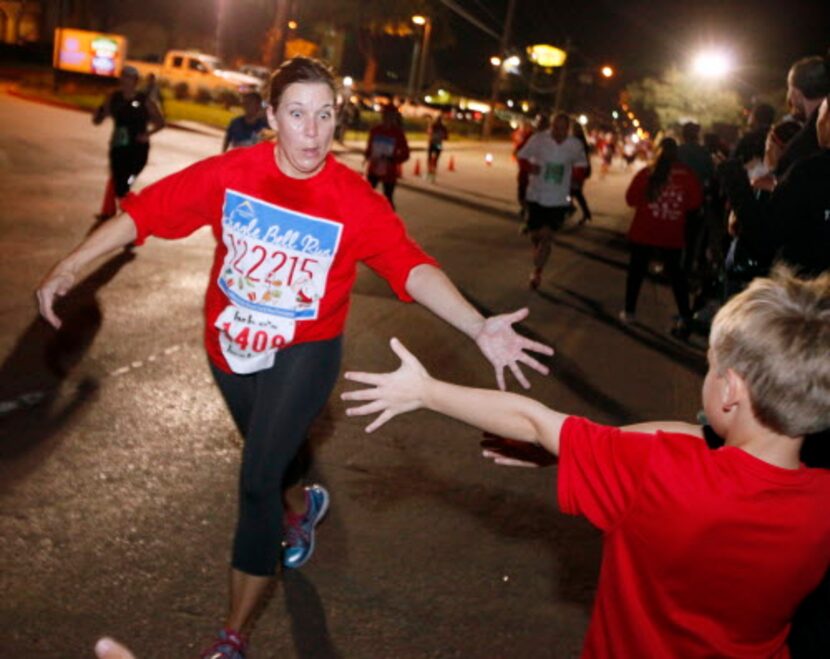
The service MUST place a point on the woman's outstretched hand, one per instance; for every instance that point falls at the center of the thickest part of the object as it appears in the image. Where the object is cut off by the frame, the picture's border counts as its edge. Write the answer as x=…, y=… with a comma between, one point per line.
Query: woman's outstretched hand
x=392, y=393
x=504, y=347
x=56, y=284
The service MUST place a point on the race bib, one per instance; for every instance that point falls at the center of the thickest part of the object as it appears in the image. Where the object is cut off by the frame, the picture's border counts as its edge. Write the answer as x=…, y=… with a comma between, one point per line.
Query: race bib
x=554, y=172
x=383, y=147
x=121, y=136
x=382, y=154
x=274, y=274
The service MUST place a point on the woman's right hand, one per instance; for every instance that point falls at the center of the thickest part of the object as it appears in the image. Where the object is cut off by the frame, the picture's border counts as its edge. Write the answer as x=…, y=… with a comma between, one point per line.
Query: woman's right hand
x=56, y=284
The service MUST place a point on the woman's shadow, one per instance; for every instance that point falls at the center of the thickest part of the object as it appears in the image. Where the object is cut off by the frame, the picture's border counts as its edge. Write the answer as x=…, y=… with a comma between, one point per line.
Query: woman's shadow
x=34, y=403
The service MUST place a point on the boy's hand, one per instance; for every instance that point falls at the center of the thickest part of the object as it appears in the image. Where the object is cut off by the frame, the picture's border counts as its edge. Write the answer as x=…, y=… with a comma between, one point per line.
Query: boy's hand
x=392, y=393
x=504, y=347
x=513, y=453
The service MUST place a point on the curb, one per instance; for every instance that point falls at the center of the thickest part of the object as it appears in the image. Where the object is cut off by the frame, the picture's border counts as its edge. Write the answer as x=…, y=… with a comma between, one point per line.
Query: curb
x=459, y=197
x=33, y=98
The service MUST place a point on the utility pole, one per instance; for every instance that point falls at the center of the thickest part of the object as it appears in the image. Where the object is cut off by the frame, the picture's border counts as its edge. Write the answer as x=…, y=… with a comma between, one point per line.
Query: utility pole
x=279, y=34
x=413, y=68
x=424, y=59
x=494, y=94
x=221, y=26
x=560, y=85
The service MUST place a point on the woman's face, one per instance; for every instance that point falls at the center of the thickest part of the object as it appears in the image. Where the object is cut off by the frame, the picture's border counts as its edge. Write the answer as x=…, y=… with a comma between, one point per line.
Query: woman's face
x=304, y=121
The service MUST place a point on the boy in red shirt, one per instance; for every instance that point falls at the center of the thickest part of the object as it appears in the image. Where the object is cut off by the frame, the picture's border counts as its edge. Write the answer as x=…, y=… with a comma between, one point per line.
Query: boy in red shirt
x=706, y=552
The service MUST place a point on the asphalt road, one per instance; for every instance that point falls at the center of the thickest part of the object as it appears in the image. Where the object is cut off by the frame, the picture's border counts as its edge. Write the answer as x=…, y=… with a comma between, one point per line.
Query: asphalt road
x=118, y=460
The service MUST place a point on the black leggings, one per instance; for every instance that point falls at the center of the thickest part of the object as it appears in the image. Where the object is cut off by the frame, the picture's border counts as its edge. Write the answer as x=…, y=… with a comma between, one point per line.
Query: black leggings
x=638, y=266
x=273, y=410
x=126, y=162
x=388, y=187
x=579, y=196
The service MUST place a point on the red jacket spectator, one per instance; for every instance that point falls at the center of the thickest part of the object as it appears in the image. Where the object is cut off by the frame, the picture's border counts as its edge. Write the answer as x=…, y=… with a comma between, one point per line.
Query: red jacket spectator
x=661, y=222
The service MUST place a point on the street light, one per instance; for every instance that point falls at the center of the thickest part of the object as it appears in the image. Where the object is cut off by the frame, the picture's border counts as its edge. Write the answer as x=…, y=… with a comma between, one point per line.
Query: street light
x=712, y=64
x=511, y=64
x=607, y=72
x=419, y=56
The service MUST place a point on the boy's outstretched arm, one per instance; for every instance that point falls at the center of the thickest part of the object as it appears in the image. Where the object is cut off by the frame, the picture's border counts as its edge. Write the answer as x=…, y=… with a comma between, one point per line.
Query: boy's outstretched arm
x=411, y=388
x=510, y=453
x=679, y=427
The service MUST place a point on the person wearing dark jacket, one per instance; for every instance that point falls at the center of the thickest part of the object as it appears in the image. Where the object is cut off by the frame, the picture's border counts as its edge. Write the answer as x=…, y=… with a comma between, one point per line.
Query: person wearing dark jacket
x=794, y=225
x=808, y=82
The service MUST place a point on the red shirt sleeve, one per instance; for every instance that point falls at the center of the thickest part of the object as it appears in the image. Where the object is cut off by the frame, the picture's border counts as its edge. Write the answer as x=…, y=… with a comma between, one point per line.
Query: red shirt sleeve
x=383, y=243
x=177, y=205
x=600, y=470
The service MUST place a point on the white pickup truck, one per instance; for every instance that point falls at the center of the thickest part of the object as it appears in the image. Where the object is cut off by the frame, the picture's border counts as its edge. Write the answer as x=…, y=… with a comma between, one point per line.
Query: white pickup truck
x=199, y=71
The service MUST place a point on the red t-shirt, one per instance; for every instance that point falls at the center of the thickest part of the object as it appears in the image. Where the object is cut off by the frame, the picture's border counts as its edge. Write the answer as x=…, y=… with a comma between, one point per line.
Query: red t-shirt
x=706, y=552
x=662, y=222
x=286, y=249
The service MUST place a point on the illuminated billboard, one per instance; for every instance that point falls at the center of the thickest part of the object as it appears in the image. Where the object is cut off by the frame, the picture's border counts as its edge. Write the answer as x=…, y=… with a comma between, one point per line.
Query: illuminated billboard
x=547, y=56
x=94, y=53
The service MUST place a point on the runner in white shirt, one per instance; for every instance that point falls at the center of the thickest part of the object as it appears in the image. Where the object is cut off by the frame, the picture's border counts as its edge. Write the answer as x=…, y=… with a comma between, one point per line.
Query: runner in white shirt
x=551, y=157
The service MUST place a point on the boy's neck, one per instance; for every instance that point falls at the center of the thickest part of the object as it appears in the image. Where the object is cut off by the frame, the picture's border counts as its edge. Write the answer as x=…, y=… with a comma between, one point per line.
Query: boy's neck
x=765, y=444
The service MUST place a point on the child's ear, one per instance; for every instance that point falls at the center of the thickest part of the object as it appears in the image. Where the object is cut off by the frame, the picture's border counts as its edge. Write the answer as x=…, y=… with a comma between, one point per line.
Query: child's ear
x=734, y=391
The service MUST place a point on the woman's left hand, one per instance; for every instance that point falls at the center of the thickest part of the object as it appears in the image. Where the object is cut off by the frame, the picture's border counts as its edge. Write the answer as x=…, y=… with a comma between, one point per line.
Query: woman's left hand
x=500, y=344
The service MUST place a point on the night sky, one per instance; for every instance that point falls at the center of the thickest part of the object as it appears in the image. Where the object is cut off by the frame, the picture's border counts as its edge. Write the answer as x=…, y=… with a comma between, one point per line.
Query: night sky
x=639, y=38
x=643, y=38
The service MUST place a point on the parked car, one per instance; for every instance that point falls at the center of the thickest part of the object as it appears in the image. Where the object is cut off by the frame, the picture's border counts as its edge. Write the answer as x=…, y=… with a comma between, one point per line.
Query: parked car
x=257, y=71
x=199, y=72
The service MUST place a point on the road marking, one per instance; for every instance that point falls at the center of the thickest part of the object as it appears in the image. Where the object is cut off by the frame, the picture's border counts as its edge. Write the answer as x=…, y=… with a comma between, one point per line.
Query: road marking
x=24, y=400
x=34, y=398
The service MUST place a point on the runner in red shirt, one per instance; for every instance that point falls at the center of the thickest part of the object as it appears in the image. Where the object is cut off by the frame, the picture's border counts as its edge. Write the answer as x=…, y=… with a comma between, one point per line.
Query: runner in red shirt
x=291, y=224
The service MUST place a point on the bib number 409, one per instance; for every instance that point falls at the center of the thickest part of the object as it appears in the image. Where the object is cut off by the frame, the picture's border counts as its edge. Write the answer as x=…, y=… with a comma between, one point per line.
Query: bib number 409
x=254, y=340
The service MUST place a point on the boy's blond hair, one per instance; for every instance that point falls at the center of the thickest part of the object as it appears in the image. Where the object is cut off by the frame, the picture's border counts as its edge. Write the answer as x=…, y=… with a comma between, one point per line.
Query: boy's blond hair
x=776, y=336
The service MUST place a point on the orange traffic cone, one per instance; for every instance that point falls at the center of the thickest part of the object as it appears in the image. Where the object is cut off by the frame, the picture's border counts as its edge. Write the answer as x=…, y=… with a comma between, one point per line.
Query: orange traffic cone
x=451, y=166
x=417, y=170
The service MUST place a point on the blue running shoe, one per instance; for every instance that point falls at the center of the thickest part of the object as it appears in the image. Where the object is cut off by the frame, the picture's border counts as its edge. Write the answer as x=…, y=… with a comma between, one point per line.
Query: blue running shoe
x=229, y=644
x=299, y=538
